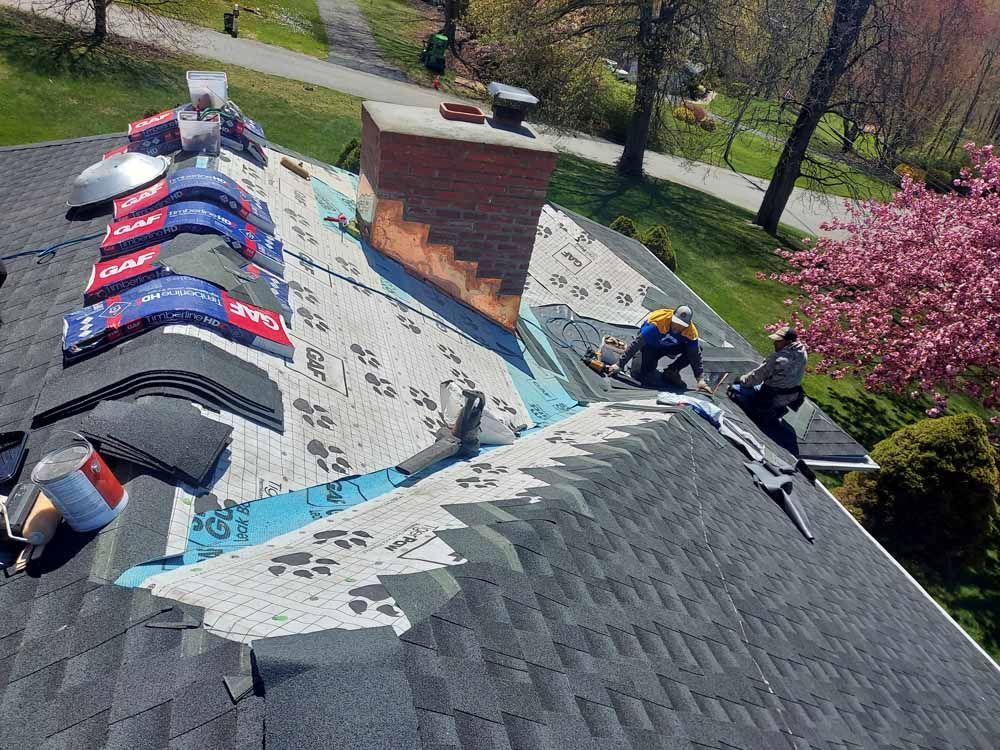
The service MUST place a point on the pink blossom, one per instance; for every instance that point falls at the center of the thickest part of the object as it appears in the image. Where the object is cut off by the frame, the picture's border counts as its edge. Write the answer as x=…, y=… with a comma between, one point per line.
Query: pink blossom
x=909, y=298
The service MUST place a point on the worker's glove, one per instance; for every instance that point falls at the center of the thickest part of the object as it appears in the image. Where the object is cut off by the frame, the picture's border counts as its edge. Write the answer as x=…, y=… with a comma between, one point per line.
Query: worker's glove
x=703, y=386
x=613, y=370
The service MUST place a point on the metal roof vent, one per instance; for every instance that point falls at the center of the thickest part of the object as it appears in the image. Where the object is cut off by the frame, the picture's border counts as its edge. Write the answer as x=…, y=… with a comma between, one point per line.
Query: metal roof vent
x=511, y=104
x=116, y=175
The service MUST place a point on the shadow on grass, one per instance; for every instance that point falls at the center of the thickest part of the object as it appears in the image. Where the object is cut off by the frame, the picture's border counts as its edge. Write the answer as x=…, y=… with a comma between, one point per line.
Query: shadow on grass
x=704, y=221
x=871, y=417
x=45, y=47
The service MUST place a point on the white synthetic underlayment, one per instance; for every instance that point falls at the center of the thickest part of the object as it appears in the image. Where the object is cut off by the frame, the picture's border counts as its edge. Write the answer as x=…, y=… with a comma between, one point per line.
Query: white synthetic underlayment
x=361, y=392
x=570, y=267
x=325, y=575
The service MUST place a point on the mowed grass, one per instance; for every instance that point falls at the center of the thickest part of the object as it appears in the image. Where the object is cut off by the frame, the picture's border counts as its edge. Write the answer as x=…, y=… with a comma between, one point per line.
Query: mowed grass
x=294, y=24
x=54, y=86
x=400, y=28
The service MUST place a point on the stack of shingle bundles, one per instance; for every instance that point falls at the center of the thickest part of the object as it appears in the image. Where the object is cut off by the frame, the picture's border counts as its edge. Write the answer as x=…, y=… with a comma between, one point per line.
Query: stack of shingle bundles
x=162, y=434
x=162, y=364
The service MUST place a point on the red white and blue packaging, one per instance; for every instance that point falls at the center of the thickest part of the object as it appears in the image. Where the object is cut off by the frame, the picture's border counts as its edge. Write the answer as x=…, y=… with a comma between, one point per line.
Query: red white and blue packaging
x=155, y=125
x=168, y=301
x=118, y=275
x=240, y=133
x=158, y=145
x=196, y=217
x=197, y=184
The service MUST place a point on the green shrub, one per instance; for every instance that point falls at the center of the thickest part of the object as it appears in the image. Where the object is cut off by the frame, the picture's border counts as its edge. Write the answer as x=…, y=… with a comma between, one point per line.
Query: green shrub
x=708, y=125
x=684, y=114
x=624, y=225
x=657, y=240
x=909, y=170
x=935, y=497
x=350, y=156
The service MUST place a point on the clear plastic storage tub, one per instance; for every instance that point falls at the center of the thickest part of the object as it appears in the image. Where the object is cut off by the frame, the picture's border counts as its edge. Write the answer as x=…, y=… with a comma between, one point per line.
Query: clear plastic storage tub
x=208, y=89
x=200, y=136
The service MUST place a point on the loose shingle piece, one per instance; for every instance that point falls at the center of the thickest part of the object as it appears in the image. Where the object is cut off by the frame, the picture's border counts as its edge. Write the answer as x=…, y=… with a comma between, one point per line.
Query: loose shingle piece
x=163, y=434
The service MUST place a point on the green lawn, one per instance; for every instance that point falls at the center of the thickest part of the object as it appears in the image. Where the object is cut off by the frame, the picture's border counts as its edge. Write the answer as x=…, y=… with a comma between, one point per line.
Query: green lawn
x=751, y=153
x=294, y=24
x=399, y=28
x=60, y=89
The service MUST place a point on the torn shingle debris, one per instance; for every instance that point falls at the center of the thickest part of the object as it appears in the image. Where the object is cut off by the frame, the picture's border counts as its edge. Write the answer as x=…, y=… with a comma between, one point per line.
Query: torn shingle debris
x=551, y=593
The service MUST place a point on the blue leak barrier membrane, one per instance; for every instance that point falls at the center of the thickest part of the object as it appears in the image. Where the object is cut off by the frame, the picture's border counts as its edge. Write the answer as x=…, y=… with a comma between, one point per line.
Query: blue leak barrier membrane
x=332, y=202
x=118, y=275
x=195, y=217
x=196, y=184
x=217, y=532
x=173, y=299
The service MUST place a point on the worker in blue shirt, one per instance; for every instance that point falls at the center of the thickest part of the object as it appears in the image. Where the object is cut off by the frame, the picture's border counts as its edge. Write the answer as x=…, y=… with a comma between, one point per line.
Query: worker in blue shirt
x=665, y=333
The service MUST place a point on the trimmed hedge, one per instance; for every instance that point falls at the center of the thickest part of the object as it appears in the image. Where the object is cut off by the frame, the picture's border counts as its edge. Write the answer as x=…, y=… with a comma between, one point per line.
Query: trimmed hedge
x=350, y=156
x=657, y=239
x=624, y=225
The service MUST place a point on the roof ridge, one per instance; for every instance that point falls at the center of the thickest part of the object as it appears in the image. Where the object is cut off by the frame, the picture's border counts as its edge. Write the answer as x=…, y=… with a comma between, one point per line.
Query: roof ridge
x=62, y=142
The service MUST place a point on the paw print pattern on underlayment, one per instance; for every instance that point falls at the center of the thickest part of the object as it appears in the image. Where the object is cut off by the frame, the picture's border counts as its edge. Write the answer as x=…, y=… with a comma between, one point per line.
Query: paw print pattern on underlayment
x=560, y=437
x=478, y=482
x=502, y=405
x=624, y=299
x=579, y=292
x=303, y=292
x=409, y=324
x=543, y=231
x=434, y=423
x=329, y=457
x=485, y=468
x=558, y=280
x=363, y=289
x=602, y=285
x=313, y=415
x=381, y=386
x=373, y=594
x=300, y=198
x=302, y=565
x=313, y=319
x=348, y=267
x=462, y=378
x=423, y=398
x=640, y=292
x=366, y=356
x=343, y=539
x=449, y=353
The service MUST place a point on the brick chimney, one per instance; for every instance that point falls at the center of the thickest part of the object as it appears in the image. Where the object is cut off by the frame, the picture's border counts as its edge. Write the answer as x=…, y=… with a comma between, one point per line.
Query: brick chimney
x=457, y=203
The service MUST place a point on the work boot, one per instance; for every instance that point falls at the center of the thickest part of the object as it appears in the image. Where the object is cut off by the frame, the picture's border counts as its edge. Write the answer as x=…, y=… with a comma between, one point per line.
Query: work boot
x=673, y=379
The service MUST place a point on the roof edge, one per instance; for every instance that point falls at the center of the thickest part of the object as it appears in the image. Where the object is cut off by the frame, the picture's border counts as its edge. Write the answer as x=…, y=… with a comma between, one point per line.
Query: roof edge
x=906, y=573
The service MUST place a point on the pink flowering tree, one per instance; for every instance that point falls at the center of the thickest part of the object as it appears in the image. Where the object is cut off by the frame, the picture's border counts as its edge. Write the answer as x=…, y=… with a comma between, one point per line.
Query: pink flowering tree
x=910, y=298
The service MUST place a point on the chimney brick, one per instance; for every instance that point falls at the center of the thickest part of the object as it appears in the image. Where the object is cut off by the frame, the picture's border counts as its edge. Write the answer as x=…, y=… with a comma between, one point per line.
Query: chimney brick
x=478, y=189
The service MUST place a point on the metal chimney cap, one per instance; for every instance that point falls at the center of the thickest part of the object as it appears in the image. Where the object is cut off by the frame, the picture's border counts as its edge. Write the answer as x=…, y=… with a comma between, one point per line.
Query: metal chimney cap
x=512, y=96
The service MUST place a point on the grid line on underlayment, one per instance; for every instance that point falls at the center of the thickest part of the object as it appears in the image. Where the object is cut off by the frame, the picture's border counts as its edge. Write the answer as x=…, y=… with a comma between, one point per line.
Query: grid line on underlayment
x=328, y=570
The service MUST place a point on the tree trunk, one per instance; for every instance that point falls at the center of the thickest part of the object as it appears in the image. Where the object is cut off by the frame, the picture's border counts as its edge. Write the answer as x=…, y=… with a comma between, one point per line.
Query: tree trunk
x=449, y=22
x=988, y=58
x=649, y=71
x=848, y=16
x=100, y=20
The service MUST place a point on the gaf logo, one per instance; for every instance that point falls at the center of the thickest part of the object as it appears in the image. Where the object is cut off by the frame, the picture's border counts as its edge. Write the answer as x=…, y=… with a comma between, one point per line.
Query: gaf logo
x=253, y=315
x=145, y=221
x=148, y=193
x=153, y=120
x=128, y=265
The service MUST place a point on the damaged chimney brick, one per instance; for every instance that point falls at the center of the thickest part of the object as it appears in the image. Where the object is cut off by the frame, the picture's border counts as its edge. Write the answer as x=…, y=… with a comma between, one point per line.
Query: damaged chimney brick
x=456, y=203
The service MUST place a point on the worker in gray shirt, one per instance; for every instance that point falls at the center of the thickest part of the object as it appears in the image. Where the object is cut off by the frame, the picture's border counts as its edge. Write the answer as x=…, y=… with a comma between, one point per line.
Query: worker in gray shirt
x=767, y=392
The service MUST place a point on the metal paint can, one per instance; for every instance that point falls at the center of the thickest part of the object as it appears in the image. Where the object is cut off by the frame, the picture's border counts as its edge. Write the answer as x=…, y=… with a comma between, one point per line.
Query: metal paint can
x=81, y=485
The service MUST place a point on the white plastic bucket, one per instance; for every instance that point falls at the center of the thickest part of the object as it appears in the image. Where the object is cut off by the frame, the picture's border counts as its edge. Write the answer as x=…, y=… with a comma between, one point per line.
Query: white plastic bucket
x=80, y=485
x=200, y=136
x=208, y=88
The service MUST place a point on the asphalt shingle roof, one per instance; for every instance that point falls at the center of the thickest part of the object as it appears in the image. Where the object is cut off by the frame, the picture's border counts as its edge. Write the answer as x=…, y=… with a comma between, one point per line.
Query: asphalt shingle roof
x=648, y=596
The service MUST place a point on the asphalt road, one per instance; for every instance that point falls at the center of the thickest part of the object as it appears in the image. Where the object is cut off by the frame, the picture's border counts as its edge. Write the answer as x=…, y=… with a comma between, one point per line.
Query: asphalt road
x=806, y=210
